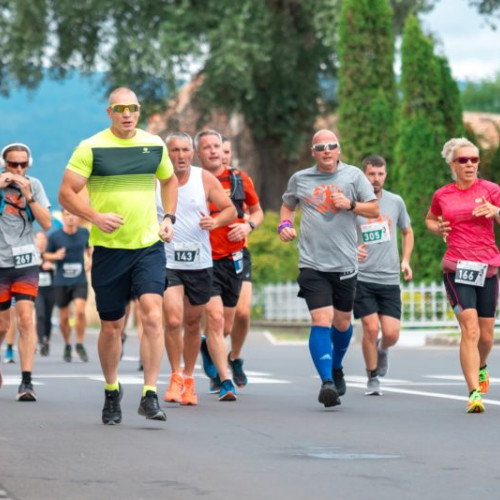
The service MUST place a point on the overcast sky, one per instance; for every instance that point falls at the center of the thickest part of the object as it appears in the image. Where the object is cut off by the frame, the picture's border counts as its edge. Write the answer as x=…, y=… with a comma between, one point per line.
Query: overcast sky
x=472, y=47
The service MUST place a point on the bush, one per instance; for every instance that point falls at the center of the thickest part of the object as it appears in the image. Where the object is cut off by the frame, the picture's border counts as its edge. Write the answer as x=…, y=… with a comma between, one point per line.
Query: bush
x=272, y=260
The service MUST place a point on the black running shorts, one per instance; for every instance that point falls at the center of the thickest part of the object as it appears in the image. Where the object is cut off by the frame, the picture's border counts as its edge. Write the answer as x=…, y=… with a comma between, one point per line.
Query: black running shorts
x=119, y=274
x=196, y=284
x=322, y=289
x=374, y=298
x=226, y=284
x=64, y=295
x=482, y=298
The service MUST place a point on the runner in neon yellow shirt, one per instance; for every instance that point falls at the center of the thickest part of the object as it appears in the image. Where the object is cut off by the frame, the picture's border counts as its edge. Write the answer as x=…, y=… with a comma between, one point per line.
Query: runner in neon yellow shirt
x=119, y=166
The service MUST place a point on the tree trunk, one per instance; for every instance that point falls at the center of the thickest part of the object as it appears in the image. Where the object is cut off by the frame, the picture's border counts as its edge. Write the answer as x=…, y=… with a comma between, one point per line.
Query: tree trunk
x=272, y=174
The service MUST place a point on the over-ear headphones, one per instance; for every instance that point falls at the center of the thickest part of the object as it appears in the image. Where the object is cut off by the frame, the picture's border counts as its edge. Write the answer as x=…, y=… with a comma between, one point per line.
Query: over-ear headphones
x=7, y=148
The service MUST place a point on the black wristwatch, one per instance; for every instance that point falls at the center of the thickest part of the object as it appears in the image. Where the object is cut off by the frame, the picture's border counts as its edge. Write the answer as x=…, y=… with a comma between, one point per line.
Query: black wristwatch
x=251, y=224
x=353, y=206
x=31, y=199
x=171, y=217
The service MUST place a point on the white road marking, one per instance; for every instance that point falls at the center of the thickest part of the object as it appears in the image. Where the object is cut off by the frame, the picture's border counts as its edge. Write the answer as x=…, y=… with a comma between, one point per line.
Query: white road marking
x=426, y=394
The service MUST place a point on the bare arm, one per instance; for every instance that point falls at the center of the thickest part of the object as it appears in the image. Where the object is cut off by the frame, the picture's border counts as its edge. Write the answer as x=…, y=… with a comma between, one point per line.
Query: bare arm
x=41, y=214
x=169, y=194
x=407, y=249
x=488, y=210
x=437, y=225
x=240, y=230
x=287, y=233
x=215, y=193
x=69, y=199
x=364, y=208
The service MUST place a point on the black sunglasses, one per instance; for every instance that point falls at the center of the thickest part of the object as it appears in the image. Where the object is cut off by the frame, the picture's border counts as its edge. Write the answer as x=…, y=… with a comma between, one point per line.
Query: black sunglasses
x=15, y=164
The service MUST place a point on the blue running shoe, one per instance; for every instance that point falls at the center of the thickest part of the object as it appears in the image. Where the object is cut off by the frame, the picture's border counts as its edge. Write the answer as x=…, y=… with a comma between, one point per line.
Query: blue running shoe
x=208, y=364
x=215, y=384
x=227, y=391
x=9, y=355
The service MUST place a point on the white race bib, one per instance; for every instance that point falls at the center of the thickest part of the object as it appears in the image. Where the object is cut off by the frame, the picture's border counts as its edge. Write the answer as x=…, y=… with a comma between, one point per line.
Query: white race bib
x=376, y=232
x=72, y=269
x=187, y=253
x=471, y=273
x=238, y=261
x=24, y=256
x=44, y=279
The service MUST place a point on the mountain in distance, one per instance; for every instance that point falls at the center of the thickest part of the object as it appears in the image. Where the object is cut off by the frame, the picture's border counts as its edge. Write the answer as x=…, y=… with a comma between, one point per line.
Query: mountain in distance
x=52, y=120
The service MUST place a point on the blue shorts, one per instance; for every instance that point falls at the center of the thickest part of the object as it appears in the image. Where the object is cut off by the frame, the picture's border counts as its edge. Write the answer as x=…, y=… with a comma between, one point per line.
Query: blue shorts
x=119, y=274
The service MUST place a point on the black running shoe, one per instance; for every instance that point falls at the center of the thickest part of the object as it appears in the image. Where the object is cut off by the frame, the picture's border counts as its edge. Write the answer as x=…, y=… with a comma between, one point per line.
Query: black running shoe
x=67, y=354
x=150, y=408
x=26, y=392
x=338, y=379
x=44, y=349
x=328, y=394
x=81, y=351
x=239, y=377
x=112, y=413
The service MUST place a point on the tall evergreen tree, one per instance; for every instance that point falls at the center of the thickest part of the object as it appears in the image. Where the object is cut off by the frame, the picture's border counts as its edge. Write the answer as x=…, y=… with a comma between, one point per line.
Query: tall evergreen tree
x=420, y=168
x=450, y=101
x=367, y=88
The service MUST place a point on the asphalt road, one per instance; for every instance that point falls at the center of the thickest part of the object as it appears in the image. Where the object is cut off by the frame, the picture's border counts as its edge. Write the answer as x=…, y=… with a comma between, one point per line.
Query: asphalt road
x=276, y=441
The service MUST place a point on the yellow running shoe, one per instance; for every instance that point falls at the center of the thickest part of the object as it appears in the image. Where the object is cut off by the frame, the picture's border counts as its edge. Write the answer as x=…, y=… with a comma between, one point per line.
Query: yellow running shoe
x=174, y=391
x=484, y=380
x=189, y=396
x=475, y=404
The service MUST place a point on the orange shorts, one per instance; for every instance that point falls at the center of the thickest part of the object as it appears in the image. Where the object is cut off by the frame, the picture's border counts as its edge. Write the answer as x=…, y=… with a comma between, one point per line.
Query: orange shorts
x=22, y=284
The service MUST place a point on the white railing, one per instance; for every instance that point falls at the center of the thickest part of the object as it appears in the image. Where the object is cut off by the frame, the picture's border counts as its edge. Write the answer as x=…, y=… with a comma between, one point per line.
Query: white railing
x=424, y=305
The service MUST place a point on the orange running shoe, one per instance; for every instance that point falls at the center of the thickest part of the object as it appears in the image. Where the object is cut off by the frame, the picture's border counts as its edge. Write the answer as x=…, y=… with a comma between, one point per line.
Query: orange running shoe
x=484, y=380
x=174, y=391
x=189, y=396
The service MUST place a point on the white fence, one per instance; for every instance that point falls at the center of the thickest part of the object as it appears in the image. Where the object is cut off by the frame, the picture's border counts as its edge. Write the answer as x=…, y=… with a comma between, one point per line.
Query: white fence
x=423, y=305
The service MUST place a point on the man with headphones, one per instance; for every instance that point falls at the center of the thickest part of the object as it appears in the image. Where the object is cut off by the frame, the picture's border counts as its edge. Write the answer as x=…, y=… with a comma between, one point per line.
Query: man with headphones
x=22, y=201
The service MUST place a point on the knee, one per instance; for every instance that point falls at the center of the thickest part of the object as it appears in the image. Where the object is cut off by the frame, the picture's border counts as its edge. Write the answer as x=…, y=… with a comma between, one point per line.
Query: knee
x=242, y=316
x=80, y=316
x=215, y=322
x=370, y=335
x=152, y=321
x=391, y=337
x=470, y=334
x=342, y=324
x=172, y=323
x=25, y=323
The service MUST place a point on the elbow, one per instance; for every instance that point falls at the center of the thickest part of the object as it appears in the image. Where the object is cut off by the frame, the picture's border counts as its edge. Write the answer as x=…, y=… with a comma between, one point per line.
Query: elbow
x=46, y=223
x=61, y=199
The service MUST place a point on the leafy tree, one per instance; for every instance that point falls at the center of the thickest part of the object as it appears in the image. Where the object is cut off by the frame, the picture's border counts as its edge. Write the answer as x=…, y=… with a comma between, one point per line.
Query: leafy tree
x=420, y=168
x=263, y=58
x=367, y=86
x=483, y=96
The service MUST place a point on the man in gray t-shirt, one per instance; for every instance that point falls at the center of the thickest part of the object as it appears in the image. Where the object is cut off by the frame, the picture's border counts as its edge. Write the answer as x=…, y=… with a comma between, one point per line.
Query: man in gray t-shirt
x=330, y=195
x=378, y=294
x=22, y=201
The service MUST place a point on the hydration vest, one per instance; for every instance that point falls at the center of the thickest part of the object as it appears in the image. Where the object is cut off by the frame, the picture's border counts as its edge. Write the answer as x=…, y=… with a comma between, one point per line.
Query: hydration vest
x=237, y=194
x=26, y=208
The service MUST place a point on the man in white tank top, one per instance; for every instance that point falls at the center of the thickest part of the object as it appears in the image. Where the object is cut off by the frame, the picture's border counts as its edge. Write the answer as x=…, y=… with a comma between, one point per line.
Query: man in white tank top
x=189, y=264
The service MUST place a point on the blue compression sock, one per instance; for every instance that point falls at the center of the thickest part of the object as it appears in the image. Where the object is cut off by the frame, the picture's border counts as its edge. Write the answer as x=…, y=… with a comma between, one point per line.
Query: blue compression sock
x=340, y=341
x=320, y=347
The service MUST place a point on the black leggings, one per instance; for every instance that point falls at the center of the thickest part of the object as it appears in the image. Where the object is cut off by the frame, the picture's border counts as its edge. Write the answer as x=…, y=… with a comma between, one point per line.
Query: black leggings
x=44, y=304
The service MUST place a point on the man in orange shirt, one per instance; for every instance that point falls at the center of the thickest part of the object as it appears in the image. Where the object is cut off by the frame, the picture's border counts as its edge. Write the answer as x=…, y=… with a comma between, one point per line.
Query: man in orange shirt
x=227, y=253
